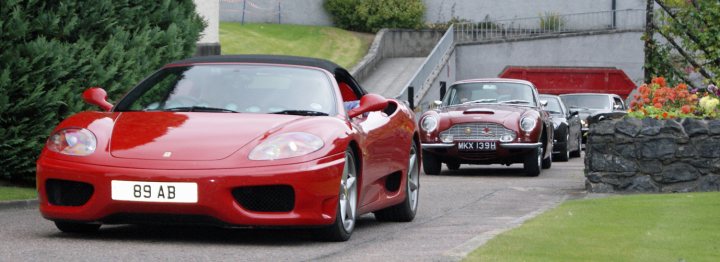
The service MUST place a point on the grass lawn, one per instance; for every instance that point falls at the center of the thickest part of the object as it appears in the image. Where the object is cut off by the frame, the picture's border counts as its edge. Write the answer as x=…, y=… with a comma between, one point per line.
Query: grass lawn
x=670, y=227
x=16, y=193
x=342, y=47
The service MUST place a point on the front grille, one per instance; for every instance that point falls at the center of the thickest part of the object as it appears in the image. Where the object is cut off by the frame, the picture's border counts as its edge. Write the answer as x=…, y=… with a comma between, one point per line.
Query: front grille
x=68, y=193
x=276, y=198
x=478, y=131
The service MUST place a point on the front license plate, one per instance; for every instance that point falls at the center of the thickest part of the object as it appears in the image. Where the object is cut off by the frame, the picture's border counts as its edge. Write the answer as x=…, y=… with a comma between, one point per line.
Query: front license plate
x=179, y=192
x=476, y=146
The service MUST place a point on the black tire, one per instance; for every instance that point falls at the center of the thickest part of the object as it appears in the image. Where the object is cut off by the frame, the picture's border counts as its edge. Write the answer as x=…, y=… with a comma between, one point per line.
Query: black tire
x=431, y=163
x=564, y=154
x=578, y=150
x=337, y=232
x=546, y=162
x=532, y=162
x=73, y=227
x=405, y=211
x=453, y=165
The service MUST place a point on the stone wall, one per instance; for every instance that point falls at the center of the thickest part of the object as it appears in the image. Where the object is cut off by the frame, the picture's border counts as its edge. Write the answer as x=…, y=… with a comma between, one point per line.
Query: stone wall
x=649, y=155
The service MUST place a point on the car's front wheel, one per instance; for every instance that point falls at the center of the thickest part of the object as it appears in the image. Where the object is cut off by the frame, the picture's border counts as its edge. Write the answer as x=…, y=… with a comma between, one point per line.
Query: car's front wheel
x=73, y=227
x=431, y=163
x=578, y=150
x=405, y=211
x=346, y=213
x=532, y=162
x=564, y=154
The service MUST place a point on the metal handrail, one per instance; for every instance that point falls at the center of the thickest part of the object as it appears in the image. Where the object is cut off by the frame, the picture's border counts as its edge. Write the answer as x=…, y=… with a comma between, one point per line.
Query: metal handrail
x=626, y=19
x=421, y=78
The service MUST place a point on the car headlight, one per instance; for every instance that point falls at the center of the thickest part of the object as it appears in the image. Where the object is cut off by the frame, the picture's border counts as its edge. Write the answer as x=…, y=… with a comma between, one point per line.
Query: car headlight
x=73, y=142
x=286, y=145
x=527, y=124
x=429, y=123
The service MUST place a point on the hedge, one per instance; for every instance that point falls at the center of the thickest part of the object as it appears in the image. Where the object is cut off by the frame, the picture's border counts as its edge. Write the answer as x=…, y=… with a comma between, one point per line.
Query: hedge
x=53, y=50
x=373, y=15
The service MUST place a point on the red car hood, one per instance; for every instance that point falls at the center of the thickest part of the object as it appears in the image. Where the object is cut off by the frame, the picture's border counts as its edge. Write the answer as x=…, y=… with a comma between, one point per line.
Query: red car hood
x=485, y=112
x=188, y=136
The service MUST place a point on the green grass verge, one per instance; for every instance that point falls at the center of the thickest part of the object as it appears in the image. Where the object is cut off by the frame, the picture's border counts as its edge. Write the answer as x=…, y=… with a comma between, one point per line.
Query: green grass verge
x=16, y=193
x=675, y=227
x=342, y=47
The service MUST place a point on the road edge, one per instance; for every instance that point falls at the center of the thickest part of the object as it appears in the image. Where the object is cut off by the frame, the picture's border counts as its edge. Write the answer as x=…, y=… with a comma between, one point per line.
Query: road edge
x=18, y=204
x=458, y=253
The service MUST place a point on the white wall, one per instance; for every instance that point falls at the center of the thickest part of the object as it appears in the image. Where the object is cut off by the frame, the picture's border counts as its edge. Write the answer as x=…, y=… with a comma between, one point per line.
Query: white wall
x=621, y=50
x=209, y=10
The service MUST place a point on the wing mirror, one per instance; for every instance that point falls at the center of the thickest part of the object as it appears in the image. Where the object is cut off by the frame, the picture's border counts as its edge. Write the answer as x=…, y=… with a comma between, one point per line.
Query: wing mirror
x=97, y=96
x=617, y=107
x=573, y=113
x=543, y=103
x=369, y=103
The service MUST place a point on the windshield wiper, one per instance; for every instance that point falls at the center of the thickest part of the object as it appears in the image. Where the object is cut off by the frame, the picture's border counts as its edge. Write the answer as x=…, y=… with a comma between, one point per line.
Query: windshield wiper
x=517, y=101
x=300, y=113
x=487, y=100
x=199, y=109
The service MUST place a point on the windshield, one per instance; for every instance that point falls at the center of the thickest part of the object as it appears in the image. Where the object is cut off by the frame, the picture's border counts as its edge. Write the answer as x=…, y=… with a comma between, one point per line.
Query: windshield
x=233, y=88
x=587, y=101
x=553, y=105
x=490, y=92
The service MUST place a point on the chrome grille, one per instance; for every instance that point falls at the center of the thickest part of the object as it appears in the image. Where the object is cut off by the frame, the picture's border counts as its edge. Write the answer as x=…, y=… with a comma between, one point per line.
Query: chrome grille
x=478, y=131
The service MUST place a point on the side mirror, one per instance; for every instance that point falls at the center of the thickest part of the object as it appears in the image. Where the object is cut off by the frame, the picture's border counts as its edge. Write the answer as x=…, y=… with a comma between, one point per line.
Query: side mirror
x=573, y=113
x=617, y=107
x=437, y=103
x=369, y=103
x=543, y=103
x=97, y=96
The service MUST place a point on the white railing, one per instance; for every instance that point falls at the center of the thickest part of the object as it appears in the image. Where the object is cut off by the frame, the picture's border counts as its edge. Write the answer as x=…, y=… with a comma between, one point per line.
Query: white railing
x=548, y=24
x=420, y=82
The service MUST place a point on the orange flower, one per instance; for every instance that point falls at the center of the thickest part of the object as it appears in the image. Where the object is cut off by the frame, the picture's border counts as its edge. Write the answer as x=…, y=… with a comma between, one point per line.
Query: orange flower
x=686, y=109
x=658, y=105
x=659, y=81
x=665, y=115
x=682, y=86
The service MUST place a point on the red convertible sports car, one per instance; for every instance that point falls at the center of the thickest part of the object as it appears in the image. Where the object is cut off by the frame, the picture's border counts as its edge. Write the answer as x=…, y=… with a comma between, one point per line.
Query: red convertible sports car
x=488, y=121
x=234, y=141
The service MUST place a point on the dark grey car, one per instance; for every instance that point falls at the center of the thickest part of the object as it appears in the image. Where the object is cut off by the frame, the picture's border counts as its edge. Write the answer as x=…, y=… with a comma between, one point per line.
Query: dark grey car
x=568, y=134
x=589, y=104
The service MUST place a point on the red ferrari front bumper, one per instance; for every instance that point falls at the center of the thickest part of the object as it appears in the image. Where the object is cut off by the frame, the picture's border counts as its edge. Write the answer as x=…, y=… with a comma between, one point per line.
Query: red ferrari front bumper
x=315, y=188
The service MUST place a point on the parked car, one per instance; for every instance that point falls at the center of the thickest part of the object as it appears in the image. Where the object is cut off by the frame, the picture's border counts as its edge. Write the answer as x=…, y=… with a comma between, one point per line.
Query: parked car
x=590, y=104
x=568, y=136
x=487, y=121
x=234, y=141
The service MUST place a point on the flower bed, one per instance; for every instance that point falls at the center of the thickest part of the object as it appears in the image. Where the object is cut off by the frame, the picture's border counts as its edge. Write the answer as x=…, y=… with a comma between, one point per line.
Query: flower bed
x=669, y=142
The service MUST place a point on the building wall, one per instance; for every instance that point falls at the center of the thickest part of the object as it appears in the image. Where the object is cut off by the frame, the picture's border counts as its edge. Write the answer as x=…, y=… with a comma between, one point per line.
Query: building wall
x=621, y=50
x=311, y=12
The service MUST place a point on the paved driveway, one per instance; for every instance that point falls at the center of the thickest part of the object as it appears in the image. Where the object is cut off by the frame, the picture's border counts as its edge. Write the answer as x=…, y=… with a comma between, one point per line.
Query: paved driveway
x=458, y=211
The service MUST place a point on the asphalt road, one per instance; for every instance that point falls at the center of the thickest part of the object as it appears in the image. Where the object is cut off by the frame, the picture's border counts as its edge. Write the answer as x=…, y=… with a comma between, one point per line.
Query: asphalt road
x=458, y=211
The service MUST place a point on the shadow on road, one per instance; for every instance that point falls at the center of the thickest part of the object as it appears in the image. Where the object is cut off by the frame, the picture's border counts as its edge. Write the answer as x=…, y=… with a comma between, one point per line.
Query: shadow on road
x=486, y=171
x=209, y=235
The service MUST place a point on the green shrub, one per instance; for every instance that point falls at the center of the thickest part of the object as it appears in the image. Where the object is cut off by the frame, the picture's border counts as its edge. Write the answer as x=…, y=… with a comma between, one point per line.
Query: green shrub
x=53, y=50
x=552, y=21
x=344, y=13
x=373, y=15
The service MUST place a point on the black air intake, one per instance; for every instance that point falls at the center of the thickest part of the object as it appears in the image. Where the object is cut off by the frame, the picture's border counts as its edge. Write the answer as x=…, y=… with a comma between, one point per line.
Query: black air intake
x=68, y=193
x=276, y=198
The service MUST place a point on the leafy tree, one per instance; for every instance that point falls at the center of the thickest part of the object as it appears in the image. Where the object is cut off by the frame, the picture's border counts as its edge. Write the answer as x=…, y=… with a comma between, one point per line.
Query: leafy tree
x=692, y=30
x=53, y=50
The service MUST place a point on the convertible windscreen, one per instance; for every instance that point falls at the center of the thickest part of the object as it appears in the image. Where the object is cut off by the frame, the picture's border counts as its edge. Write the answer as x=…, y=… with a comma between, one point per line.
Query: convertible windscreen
x=488, y=92
x=587, y=101
x=234, y=88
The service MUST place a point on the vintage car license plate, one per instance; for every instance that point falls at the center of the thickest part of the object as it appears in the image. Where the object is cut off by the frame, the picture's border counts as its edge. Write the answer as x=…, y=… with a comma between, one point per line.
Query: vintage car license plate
x=170, y=192
x=476, y=146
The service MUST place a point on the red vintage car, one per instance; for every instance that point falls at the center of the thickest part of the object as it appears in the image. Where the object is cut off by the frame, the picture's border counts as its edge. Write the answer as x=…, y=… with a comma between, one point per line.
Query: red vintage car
x=234, y=141
x=487, y=121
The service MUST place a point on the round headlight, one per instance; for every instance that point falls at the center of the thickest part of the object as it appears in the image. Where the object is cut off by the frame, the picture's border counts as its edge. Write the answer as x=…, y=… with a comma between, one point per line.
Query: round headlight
x=73, y=142
x=429, y=123
x=527, y=124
